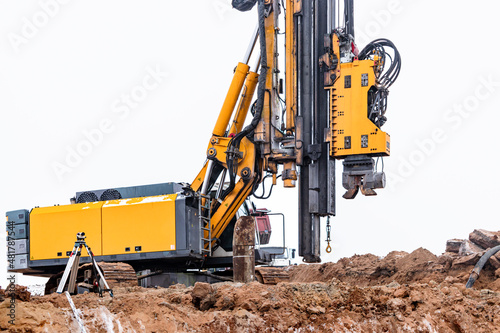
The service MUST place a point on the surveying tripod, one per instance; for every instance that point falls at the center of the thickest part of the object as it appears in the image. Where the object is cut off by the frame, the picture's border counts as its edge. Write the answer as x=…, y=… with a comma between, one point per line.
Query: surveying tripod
x=72, y=267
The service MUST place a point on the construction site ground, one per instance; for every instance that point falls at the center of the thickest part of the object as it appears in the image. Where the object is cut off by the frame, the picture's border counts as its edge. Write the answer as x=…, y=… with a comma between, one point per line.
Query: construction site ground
x=402, y=292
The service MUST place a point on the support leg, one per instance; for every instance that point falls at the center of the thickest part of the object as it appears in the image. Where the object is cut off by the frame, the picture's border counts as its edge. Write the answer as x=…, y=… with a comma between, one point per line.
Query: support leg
x=74, y=271
x=67, y=270
x=100, y=275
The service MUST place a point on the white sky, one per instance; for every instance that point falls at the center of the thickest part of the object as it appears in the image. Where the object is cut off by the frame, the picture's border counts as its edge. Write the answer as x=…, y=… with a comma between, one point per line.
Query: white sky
x=70, y=72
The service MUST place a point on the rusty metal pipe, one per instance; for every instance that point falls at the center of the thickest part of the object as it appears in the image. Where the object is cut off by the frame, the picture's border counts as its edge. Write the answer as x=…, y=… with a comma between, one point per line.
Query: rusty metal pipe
x=244, y=250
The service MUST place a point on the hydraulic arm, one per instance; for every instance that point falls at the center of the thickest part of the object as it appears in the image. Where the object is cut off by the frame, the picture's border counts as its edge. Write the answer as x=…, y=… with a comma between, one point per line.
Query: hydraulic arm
x=332, y=107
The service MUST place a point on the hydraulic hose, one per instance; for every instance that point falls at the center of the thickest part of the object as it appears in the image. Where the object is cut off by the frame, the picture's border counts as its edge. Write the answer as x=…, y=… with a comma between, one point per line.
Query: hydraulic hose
x=261, y=90
x=479, y=266
x=263, y=73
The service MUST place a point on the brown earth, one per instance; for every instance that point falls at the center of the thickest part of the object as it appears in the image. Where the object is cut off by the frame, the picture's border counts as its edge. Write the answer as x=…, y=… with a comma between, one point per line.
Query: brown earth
x=420, y=266
x=402, y=292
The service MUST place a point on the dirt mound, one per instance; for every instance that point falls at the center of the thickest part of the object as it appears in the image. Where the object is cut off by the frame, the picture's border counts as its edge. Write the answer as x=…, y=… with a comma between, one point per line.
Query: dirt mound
x=419, y=266
x=401, y=292
x=287, y=307
x=19, y=292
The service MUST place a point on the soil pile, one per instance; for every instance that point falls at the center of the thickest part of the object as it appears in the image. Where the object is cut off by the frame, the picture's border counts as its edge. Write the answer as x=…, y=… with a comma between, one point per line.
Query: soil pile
x=287, y=307
x=329, y=306
x=420, y=266
x=402, y=292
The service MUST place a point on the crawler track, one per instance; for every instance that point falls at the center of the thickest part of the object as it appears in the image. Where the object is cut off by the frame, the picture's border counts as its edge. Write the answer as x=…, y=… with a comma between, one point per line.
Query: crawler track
x=117, y=274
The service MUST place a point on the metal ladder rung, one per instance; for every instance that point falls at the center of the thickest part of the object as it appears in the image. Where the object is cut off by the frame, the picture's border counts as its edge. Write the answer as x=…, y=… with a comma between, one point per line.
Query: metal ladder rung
x=205, y=225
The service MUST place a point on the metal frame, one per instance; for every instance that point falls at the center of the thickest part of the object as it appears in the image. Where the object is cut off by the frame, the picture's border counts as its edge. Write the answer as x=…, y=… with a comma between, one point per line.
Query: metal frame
x=204, y=211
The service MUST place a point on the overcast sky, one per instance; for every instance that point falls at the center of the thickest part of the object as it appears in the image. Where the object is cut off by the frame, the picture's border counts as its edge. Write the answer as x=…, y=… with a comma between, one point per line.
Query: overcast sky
x=67, y=67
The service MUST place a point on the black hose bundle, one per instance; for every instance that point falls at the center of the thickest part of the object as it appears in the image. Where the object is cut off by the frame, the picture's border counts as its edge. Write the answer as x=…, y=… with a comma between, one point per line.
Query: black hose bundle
x=263, y=73
x=384, y=77
x=263, y=196
x=479, y=266
x=378, y=47
x=234, y=144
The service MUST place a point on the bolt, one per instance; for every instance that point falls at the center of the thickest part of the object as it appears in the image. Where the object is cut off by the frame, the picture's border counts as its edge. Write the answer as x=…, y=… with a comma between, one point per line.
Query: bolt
x=212, y=152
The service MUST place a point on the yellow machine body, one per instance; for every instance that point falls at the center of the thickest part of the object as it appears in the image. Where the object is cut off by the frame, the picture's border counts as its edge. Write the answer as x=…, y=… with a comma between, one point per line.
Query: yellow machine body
x=148, y=223
x=125, y=226
x=53, y=229
x=352, y=131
